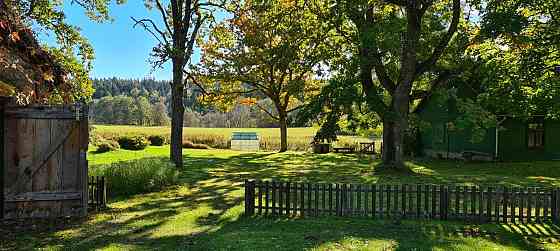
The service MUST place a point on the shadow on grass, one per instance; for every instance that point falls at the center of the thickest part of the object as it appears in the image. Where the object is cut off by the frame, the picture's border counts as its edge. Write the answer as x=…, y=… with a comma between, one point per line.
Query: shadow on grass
x=204, y=212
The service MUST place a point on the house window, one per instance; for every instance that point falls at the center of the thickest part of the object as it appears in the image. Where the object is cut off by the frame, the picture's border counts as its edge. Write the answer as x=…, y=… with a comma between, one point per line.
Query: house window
x=535, y=135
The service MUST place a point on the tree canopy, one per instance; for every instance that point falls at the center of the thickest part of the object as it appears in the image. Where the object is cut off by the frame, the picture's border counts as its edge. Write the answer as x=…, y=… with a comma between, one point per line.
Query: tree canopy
x=72, y=51
x=270, y=49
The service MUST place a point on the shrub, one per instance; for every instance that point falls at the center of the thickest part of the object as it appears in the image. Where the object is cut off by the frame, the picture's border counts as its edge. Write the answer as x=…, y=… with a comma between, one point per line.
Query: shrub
x=137, y=176
x=95, y=139
x=189, y=144
x=156, y=140
x=133, y=143
x=107, y=146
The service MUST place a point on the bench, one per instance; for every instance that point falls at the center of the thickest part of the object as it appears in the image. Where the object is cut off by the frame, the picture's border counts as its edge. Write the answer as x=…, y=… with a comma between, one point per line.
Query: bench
x=367, y=148
x=343, y=149
x=476, y=156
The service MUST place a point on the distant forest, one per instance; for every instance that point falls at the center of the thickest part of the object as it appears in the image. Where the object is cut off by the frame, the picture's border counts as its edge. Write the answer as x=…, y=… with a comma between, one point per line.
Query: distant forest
x=146, y=102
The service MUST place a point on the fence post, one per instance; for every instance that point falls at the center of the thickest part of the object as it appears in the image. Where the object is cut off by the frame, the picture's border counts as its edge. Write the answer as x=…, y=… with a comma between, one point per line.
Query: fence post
x=97, y=192
x=554, y=205
x=442, y=202
x=104, y=201
x=249, y=198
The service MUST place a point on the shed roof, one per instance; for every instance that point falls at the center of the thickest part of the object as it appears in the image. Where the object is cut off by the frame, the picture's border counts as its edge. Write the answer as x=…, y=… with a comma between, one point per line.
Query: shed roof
x=244, y=136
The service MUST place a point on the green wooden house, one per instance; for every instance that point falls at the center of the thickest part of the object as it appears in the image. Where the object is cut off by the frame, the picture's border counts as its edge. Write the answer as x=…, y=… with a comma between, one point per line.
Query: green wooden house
x=516, y=140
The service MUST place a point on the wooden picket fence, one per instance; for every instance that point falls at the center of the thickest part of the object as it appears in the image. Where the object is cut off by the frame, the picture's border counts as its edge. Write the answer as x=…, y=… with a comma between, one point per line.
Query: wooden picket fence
x=419, y=201
x=97, y=192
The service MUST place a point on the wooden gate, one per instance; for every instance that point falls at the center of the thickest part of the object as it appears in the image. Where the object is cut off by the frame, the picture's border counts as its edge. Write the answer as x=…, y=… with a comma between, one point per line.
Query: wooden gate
x=44, y=165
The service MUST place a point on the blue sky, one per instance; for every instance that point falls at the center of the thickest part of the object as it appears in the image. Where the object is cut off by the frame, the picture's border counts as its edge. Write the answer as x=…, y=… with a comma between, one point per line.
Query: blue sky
x=120, y=50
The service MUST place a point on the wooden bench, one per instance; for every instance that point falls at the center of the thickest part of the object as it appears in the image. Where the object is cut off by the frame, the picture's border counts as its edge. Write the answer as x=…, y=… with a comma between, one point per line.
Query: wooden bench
x=367, y=148
x=343, y=149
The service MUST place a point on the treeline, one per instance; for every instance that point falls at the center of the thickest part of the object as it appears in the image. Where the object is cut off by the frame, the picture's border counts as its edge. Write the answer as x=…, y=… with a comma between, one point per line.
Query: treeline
x=127, y=110
x=130, y=87
x=241, y=116
x=146, y=102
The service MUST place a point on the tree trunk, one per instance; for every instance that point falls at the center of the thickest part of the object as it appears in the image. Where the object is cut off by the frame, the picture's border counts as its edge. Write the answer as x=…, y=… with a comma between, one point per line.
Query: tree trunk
x=388, y=151
x=393, y=135
x=395, y=124
x=177, y=112
x=283, y=121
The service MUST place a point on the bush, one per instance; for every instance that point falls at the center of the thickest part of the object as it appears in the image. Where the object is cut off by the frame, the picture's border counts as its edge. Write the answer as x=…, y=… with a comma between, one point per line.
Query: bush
x=156, y=140
x=133, y=143
x=191, y=145
x=95, y=139
x=137, y=176
x=107, y=146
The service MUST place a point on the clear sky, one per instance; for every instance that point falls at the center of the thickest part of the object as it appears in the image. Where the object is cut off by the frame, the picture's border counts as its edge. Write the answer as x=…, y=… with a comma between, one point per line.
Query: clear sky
x=120, y=50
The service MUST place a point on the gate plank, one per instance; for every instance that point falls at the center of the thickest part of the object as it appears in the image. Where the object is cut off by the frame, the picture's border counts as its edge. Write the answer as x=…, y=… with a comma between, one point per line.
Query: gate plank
x=26, y=166
x=69, y=159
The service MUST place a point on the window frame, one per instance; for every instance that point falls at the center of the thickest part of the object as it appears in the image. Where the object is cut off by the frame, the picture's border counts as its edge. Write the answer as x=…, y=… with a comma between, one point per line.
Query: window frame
x=531, y=132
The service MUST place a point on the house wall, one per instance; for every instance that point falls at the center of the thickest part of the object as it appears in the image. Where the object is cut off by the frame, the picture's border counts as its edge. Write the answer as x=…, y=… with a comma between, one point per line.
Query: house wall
x=513, y=142
x=439, y=140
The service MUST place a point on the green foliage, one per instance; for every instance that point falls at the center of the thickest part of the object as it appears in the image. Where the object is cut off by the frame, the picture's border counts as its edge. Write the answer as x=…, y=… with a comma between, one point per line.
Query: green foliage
x=151, y=88
x=127, y=110
x=137, y=176
x=157, y=140
x=72, y=51
x=107, y=146
x=243, y=64
x=338, y=108
x=475, y=118
x=133, y=142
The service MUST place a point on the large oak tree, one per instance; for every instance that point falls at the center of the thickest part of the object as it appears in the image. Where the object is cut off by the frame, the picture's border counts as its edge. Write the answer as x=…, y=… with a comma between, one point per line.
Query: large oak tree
x=269, y=49
x=394, y=49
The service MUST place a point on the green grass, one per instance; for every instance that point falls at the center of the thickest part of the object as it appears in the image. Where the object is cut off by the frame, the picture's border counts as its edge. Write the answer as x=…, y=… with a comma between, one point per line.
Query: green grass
x=204, y=212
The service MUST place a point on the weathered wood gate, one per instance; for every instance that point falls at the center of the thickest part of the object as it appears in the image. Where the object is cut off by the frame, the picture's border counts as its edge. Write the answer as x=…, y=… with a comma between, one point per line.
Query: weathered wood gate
x=44, y=166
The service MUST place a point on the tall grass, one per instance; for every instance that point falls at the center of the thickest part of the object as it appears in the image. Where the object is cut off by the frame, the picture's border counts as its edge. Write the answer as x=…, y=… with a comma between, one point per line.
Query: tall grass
x=137, y=176
x=299, y=139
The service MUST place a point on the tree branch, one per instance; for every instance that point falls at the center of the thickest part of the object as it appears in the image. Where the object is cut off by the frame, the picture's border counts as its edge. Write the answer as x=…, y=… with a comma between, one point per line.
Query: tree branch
x=143, y=22
x=221, y=5
x=188, y=12
x=371, y=51
x=192, y=39
x=267, y=112
x=444, y=42
x=295, y=108
x=440, y=81
x=164, y=16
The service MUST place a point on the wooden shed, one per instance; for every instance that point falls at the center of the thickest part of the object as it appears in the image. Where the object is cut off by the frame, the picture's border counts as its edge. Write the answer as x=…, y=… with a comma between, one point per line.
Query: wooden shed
x=43, y=167
x=245, y=141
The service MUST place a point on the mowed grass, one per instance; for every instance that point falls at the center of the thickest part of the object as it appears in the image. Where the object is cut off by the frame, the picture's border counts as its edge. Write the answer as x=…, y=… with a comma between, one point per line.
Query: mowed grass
x=205, y=211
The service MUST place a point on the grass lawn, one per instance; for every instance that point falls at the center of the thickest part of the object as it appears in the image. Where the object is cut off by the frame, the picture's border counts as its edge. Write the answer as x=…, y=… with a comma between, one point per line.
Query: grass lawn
x=204, y=212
